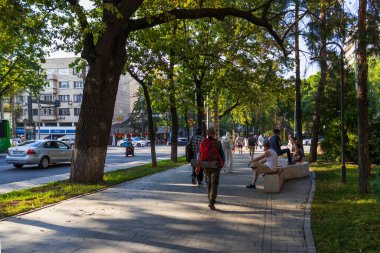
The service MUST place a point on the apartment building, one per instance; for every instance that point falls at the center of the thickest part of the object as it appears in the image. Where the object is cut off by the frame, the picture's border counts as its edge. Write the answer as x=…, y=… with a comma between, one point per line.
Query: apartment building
x=66, y=85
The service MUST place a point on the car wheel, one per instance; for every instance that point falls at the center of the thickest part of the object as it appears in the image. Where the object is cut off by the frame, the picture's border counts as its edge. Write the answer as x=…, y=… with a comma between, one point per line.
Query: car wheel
x=18, y=166
x=138, y=145
x=44, y=163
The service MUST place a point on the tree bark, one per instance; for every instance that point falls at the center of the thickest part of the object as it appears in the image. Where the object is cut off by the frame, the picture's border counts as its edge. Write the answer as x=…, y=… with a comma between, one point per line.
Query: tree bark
x=173, y=112
x=95, y=120
x=200, y=106
x=152, y=132
x=362, y=101
x=321, y=86
x=298, y=108
x=216, y=113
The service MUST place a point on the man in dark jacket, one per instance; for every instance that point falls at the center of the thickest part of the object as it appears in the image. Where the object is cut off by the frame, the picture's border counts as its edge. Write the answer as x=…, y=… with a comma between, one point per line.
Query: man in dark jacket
x=195, y=141
x=275, y=143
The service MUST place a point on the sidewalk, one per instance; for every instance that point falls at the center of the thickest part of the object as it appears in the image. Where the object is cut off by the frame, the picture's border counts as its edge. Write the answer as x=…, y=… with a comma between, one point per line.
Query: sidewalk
x=165, y=213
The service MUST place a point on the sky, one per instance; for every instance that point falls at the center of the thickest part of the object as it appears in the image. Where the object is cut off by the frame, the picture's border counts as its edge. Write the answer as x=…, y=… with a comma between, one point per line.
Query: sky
x=307, y=67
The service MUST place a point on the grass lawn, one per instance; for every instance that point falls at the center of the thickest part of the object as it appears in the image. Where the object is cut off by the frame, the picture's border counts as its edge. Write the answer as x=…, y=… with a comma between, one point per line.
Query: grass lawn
x=342, y=219
x=24, y=200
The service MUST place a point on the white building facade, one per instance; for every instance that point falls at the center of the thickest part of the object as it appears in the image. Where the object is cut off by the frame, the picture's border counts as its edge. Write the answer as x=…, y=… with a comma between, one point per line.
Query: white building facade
x=66, y=84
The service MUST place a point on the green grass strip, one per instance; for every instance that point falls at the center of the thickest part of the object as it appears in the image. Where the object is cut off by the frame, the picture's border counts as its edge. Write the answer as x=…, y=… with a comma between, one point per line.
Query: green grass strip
x=19, y=201
x=343, y=220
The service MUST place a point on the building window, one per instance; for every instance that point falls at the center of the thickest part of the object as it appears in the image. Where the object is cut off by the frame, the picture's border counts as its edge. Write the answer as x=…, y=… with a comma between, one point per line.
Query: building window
x=20, y=99
x=64, y=111
x=51, y=124
x=64, y=98
x=47, y=97
x=50, y=71
x=77, y=73
x=46, y=111
x=78, y=84
x=76, y=111
x=78, y=98
x=64, y=85
x=65, y=124
x=64, y=71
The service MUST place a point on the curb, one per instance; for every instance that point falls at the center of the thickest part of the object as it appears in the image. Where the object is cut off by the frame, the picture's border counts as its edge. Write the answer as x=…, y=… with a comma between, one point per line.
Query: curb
x=310, y=245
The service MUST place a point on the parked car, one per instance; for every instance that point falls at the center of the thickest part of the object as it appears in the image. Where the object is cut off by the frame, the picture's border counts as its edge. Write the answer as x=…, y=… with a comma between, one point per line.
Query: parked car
x=15, y=141
x=180, y=142
x=41, y=152
x=306, y=141
x=136, y=141
x=68, y=140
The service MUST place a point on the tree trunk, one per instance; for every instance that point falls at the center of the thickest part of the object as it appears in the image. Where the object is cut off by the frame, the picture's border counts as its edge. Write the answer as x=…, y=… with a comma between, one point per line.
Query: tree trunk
x=362, y=101
x=173, y=112
x=200, y=106
x=321, y=86
x=95, y=120
x=216, y=114
x=152, y=132
x=298, y=108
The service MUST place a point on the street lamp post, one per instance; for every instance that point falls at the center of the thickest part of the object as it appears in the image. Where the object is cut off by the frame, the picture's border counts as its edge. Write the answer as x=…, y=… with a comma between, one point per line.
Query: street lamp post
x=342, y=130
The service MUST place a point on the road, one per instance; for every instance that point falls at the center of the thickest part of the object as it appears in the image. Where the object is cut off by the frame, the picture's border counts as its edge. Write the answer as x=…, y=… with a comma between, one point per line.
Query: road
x=116, y=159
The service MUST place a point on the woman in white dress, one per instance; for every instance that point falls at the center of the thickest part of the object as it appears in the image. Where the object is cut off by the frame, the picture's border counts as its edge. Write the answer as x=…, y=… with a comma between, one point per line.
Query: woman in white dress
x=227, y=148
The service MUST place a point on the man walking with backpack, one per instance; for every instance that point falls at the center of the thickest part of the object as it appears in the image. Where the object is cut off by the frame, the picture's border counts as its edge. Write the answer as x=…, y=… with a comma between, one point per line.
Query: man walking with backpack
x=212, y=159
x=252, y=143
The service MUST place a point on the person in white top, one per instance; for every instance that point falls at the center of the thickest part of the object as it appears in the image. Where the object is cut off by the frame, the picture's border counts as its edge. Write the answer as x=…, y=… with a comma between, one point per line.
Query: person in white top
x=264, y=164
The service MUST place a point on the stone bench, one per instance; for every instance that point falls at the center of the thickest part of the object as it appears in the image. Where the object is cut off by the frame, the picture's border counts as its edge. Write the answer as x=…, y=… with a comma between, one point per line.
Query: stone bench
x=273, y=182
x=298, y=170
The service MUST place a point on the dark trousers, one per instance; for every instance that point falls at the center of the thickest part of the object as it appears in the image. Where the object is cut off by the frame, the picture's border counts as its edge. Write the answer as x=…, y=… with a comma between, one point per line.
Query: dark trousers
x=212, y=179
x=199, y=177
x=287, y=151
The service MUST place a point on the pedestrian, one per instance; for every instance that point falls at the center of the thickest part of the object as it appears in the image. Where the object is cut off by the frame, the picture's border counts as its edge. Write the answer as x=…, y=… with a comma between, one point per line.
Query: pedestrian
x=246, y=143
x=267, y=163
x=212, y=158
x=261, y=141
x=298, y=154
x=275, y=143
x=227, y=149
x=252, y=143
x=239, y=143
x=292, y=143
x=195, y=142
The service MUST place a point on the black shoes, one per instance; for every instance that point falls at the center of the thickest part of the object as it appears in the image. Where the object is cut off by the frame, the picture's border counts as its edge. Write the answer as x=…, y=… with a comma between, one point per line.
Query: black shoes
x=193, y=181
x=200, y=183
x=212, y=207
x=251, y=186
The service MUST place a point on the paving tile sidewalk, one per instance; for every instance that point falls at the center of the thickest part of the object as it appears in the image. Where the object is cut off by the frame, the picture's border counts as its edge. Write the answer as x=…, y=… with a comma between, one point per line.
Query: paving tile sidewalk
x=165, y=213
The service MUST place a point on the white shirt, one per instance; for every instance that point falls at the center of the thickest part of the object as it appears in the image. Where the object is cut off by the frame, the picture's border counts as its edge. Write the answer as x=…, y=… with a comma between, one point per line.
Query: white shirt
x=272, y=160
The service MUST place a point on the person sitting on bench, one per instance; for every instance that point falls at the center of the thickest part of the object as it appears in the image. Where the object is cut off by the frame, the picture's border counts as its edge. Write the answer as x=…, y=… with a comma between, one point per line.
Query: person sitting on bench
x=275, y=143
x=264, y=164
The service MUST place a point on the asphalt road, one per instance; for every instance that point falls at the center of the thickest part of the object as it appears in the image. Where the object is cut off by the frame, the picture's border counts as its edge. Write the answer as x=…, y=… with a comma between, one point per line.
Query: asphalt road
x=115, y=158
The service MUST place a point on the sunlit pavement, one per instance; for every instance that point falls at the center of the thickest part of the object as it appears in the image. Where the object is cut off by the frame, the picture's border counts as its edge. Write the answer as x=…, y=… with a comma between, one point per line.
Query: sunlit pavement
x=14, y=179
x=166, y=213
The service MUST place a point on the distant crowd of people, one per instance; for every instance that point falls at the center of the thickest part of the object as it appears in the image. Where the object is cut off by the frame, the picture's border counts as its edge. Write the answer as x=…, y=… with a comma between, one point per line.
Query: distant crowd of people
x=212, y=155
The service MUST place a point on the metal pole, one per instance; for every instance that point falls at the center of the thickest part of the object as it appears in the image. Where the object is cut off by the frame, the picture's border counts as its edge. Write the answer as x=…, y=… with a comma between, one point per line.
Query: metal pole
x=39, y=117
x=342, y=137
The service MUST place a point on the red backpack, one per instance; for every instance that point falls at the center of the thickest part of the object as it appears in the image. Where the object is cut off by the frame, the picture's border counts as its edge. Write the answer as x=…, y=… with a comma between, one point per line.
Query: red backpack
x=209, y=151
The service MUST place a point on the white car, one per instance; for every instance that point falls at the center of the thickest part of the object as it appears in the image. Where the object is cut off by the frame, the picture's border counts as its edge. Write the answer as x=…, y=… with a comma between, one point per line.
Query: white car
x=136, y=141
x=69, y=141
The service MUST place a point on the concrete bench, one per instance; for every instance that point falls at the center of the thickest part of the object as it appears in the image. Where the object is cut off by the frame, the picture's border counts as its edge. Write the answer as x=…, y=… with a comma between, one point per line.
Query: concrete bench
x=273, y=182
x=298, y=170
